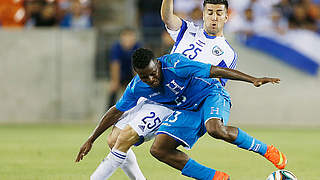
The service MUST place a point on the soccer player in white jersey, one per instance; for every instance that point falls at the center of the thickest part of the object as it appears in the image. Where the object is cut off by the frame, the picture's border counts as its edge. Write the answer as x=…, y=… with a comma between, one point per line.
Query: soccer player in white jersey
x=205, y=44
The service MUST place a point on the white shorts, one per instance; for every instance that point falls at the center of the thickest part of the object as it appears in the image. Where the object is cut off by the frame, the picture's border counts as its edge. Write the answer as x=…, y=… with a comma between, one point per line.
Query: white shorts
x=145, y=118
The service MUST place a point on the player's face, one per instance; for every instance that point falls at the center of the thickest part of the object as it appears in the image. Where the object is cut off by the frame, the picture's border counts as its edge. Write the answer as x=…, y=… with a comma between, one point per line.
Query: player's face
x=214, y=18
x=151, y=75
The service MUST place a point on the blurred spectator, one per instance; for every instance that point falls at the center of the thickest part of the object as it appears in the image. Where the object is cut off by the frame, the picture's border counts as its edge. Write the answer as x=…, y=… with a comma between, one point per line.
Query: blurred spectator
x=243, y=24
x=47, y=16
x=33, y=11
x=285, y=8
x=183, y=8
x=166, y=44
x=12, y=13
x=78, y=17
x=196, y=16
x=279, y=23
x=150, y=21
x=300, y=19
x=190, y=10
x=120, y=68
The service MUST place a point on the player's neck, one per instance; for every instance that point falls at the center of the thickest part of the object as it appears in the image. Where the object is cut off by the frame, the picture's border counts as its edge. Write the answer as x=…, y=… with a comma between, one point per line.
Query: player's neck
x=218, y=34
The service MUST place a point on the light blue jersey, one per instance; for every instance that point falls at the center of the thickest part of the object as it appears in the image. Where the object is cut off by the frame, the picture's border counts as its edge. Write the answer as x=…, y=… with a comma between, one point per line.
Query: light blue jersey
x=185, y=85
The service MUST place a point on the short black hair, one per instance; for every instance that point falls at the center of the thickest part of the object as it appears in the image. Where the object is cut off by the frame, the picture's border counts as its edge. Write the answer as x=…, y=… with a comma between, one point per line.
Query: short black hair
x=141, y=58
x=225, y=2
x=127, y=29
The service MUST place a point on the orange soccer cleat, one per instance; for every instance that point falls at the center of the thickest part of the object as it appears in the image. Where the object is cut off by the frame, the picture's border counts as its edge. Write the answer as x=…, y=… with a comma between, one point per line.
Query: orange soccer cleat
x=221, y=176
x=276, y=157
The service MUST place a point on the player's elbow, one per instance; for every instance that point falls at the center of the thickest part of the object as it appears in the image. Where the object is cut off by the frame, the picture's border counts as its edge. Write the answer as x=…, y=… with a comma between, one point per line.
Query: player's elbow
x=165, y=18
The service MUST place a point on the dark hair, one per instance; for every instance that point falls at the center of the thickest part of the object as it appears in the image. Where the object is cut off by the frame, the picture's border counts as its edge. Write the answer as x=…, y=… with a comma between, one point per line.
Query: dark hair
x=225, y=2
x=127, y=29
x=141, y=58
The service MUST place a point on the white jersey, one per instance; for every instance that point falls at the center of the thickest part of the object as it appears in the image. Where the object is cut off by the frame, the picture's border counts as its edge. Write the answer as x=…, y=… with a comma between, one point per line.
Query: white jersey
x=193, y=42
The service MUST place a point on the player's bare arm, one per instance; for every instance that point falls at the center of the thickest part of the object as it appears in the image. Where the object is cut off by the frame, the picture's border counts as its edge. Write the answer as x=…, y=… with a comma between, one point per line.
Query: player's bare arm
x=219, y=72
x=108, y=119
x=172, y=21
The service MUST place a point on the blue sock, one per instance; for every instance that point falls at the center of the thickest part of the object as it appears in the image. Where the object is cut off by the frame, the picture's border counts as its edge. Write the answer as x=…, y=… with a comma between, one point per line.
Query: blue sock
x=195, y=170
x=247, y=142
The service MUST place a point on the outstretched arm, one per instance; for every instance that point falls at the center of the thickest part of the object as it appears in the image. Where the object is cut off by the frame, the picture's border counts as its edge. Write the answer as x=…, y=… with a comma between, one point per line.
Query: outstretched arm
x=172, y=21
x=219, y=72
x=108, y=119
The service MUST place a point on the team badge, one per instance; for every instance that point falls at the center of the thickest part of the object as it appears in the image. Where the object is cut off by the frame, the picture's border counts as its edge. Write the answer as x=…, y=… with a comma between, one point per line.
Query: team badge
x=216, y=50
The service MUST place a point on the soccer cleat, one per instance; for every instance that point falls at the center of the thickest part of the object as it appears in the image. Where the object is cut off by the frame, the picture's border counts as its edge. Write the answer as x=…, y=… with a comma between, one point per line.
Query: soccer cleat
x=221, y=176
x=276, y=157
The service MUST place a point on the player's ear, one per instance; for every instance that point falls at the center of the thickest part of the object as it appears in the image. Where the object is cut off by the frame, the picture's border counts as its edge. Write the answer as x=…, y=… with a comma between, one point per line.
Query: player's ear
x=203, y=12
x=227, y=16
x=158, y=63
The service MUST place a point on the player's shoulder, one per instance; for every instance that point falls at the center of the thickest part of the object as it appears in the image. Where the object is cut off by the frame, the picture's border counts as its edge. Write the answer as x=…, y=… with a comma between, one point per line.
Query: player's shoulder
x=224, y=46
x=173, y=61
x=174, y=57
x=137, y=86
x=191, y=26
x=135, y=82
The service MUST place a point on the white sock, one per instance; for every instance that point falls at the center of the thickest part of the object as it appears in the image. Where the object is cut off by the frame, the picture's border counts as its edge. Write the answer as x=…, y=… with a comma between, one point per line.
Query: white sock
x=109, y=165
x=131, y=168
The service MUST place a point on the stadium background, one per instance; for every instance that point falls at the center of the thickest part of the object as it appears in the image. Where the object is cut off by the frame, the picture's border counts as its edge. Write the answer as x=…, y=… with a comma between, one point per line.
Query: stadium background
x=54, y=84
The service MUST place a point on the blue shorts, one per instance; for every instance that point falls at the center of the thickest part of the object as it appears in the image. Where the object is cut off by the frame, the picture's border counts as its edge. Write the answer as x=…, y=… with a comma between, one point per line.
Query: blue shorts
x=187, y=127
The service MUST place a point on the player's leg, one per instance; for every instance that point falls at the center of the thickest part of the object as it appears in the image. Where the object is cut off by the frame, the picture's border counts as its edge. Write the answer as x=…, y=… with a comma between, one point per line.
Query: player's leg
x=126, y=139
x=120, y=156
x=110, y=163
x=140, y=124
x=217, y=110
x=113, y=136
x=182, y=128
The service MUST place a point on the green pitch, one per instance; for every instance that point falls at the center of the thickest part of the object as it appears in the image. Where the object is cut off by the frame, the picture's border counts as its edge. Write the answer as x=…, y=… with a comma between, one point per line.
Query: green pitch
x=47, y=152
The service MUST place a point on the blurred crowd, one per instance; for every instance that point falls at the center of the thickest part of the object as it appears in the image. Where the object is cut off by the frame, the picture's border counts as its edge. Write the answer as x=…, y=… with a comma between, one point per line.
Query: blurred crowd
x=280, y=16
x=247, y=16
x=46, y=13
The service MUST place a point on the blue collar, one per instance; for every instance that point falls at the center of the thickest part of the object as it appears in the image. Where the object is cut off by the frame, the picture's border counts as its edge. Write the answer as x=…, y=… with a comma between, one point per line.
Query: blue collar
x=208, y=36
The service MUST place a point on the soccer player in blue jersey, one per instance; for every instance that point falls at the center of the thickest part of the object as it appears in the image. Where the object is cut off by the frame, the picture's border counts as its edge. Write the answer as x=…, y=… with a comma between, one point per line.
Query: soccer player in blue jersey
x=186, y=87
x=204, y=44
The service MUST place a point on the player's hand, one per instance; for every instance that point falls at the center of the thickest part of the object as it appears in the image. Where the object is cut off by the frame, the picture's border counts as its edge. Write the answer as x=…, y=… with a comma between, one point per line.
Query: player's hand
x=85, y=148
x=260, y=81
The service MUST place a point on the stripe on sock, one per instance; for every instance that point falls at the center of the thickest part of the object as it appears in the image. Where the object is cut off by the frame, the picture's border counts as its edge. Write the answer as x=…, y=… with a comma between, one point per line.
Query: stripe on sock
x=118, y=155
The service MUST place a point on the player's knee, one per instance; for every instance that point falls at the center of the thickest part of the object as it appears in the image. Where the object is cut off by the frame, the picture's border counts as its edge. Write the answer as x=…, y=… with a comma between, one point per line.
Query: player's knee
x=128, y=135
x=111, y=140
x=157, y=152
x=216, y=129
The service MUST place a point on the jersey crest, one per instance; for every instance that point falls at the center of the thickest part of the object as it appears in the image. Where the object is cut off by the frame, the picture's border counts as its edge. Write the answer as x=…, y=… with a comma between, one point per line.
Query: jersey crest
x=216, y=50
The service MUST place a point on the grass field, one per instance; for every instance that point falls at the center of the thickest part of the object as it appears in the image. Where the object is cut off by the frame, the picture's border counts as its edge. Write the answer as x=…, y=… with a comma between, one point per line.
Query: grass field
x=47, y=152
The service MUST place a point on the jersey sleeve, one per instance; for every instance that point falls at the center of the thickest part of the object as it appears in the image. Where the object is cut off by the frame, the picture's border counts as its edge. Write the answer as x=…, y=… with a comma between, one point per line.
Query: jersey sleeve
x=114, y=53
x=177, y=35
x=186, y=68
x=128, y=99
x=229, y=61
x=230, y=58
